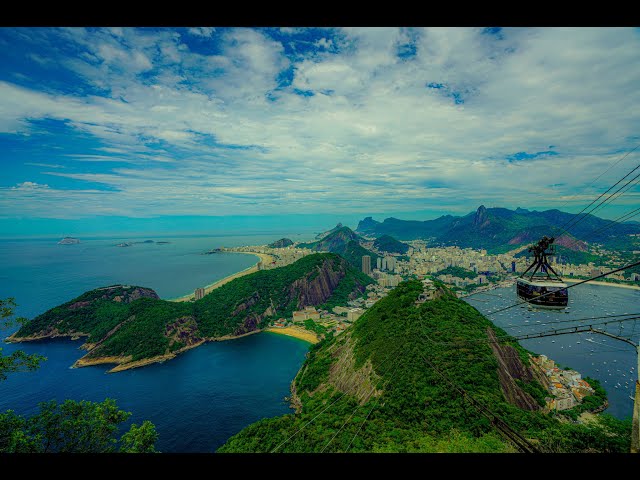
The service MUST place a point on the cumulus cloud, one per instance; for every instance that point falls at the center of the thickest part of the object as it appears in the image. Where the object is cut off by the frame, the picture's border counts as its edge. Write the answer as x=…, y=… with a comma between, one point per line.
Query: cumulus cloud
x=362, y=120
x=202, y=31
x=30, y=186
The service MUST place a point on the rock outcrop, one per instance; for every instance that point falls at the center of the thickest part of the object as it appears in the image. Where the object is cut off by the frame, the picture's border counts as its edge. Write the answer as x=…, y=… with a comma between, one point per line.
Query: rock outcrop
x=317, y=287
x=481, y=218
x=510, y=368
x=184, y=330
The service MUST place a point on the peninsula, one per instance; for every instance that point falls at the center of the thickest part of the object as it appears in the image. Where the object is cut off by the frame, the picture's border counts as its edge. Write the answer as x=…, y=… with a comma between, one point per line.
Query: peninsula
x=130, y=326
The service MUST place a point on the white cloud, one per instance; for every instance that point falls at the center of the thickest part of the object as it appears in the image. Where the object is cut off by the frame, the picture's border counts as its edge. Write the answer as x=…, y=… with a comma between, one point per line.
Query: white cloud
x=372, y=137
x=324, y=43
x=202, y=31
x=46, y=165
x=30, y=186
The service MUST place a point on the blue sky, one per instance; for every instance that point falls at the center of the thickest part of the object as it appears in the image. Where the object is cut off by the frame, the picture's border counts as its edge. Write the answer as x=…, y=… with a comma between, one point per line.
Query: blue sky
x=103, y=126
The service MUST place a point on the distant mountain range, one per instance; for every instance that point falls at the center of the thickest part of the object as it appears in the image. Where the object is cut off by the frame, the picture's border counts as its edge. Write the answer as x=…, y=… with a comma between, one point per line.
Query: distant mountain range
x=501, y=229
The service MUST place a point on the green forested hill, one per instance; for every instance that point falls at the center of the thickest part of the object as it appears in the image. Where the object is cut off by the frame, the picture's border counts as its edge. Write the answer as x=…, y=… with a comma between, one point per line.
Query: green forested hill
x=126, y=321
x=373, y=389
x=386, y=243
x=282, y=243
x=345, y=243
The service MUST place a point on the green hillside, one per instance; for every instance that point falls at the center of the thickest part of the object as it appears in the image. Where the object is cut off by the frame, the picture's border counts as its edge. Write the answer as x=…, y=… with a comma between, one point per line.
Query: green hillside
x=389, y=385
x=386, y=243
x=282, y=243
x=132, y=321
x=345, y=243
x=457, y=272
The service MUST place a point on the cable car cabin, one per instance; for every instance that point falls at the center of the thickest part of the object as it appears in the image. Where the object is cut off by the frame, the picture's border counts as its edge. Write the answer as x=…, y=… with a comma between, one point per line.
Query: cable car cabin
x=532, y=291
x=543, y=291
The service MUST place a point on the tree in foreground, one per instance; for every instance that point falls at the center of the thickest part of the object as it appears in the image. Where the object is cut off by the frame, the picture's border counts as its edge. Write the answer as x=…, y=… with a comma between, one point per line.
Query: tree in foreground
x=72, y=426
x=18, y=360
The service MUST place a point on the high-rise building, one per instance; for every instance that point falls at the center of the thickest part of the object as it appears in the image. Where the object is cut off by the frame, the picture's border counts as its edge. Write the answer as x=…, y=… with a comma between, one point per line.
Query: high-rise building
x=366, y=264
x=513, y=266
x=389, y=263
x=379, y=263
x=199, y=293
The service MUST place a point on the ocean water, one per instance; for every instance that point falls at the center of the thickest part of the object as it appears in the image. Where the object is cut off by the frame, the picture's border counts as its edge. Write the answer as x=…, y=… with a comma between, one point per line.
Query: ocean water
x=612, y=362
x=41, y=274
x=197, y=400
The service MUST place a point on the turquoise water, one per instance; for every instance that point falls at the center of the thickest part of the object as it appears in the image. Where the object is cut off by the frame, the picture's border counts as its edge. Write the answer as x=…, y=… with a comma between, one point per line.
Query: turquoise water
x=611, y=361
x=41, y=274
x=197, y=400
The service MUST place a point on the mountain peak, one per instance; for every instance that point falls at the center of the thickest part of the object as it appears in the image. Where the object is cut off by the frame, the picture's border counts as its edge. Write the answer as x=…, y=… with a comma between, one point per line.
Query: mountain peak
x=481, y=216
x=367, y=225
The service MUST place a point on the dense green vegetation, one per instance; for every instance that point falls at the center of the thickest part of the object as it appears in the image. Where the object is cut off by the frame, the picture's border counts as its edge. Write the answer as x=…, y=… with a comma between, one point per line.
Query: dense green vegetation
x=386, y=243
x=457, y=272
x=148, y=327
x=415, y=351
x=18, y=360
x=74, y=427
x=314, y=327
x=535, y=389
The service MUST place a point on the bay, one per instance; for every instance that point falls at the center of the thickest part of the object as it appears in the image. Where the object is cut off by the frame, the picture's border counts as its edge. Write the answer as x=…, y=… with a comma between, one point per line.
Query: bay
x=197, y=400
x=612, y=362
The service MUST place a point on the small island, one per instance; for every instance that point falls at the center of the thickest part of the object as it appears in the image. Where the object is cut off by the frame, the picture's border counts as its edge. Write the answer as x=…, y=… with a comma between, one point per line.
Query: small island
x=124, y=244
x=69, y=241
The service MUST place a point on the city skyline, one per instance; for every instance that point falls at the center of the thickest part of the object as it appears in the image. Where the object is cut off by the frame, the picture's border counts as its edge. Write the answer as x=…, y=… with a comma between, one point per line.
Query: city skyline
x=197, y=123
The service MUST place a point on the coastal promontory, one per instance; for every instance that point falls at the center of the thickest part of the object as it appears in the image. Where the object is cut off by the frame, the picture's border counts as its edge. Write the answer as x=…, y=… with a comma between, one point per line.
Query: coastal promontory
x=131, y=326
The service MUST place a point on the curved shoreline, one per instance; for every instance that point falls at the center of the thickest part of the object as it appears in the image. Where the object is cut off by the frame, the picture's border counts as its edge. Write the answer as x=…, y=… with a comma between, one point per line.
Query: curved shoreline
x=298, y=333
x=124, y=362
x=592, y=282
x=606, y=284
x=263, y=257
